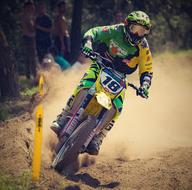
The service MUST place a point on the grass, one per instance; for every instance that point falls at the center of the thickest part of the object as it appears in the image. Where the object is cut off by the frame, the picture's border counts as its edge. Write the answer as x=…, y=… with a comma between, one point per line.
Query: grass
x=12, y=107
x=4, y=113
x=29, y=91
x=27, y=88
x=21, y=182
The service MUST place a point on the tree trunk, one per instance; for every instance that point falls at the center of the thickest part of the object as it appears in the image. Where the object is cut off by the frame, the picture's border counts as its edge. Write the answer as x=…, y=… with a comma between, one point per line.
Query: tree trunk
x=8, y=74
x=76, y=29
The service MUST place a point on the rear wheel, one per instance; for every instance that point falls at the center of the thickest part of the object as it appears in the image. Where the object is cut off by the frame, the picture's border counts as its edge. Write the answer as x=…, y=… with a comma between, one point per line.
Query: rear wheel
x=70, y=150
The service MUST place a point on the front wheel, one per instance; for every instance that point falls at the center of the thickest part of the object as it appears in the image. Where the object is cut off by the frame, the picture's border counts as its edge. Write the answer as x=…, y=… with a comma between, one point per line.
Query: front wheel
x=70, y=150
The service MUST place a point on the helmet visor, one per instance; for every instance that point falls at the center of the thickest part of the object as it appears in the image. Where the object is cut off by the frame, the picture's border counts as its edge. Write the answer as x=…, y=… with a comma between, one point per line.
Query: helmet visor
x=139, y=30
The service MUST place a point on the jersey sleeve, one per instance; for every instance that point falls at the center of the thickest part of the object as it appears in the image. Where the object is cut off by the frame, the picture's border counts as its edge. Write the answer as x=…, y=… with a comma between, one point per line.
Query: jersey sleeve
x=145, y=64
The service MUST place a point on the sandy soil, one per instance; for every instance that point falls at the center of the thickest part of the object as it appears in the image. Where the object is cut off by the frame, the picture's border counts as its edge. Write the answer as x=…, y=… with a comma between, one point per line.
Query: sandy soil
x=150, y=146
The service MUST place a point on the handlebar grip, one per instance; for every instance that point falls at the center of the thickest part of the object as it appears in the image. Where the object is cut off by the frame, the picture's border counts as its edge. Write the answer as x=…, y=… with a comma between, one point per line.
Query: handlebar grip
x=133, y=86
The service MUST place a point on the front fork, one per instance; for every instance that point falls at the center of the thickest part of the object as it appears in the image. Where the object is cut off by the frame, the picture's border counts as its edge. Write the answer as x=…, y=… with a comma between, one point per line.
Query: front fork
x=77, y=114
x=96, y=130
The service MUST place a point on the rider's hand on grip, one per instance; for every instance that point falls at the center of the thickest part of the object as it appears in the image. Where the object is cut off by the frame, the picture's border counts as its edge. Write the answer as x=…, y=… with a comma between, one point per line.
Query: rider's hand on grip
x=143, y=92
x=87, y=48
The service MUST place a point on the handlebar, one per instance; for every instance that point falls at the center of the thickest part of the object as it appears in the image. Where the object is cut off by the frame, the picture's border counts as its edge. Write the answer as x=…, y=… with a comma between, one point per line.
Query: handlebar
x=97, y=57
x=138, y=91
x=133, y=86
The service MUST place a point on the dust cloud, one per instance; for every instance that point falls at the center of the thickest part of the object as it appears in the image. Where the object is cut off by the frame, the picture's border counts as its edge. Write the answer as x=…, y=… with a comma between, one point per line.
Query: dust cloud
x=145, y=126
x=60, y=86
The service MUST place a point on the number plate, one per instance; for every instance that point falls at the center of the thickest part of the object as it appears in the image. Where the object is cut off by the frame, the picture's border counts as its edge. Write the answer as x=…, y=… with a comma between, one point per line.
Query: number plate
x=111, y=82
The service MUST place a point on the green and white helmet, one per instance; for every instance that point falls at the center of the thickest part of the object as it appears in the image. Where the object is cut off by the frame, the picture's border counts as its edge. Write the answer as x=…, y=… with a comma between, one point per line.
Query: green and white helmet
x=139, y=19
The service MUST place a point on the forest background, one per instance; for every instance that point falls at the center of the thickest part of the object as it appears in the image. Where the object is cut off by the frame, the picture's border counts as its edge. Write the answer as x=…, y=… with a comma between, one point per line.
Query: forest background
x=171, y=19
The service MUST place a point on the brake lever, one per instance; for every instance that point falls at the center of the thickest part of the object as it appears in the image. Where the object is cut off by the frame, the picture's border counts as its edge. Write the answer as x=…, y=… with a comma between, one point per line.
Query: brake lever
x=138, y=93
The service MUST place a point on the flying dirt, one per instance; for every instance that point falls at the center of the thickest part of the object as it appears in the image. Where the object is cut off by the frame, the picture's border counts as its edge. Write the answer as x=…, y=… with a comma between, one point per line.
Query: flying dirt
x=145, y=126
x=150, y=146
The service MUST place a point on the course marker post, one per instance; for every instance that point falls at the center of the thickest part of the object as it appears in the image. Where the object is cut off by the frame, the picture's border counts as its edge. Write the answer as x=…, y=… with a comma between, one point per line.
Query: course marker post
x=41, y=86
x=38, y=137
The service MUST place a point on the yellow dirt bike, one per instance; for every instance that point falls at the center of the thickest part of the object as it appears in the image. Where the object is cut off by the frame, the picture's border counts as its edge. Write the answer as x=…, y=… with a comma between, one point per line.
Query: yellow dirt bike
x=86, y=121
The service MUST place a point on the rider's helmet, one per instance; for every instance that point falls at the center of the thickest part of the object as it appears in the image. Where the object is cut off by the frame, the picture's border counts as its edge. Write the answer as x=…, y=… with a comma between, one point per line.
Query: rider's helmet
x=137, y=26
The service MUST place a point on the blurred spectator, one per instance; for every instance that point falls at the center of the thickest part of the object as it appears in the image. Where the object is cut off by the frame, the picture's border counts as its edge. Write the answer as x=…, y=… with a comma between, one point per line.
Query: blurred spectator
x=28, y=30
x=62, y=39
x=43, y=31
x=119, y=18
x=59, y=59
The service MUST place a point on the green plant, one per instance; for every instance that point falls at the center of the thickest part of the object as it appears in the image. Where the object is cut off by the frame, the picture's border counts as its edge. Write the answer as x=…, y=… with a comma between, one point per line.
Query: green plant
x=4, y=114
x=21, y=182
x=29, y=91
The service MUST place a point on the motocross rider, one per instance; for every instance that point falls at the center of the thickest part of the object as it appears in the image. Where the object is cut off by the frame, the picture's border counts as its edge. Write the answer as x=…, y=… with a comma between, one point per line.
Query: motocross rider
x=126, y=46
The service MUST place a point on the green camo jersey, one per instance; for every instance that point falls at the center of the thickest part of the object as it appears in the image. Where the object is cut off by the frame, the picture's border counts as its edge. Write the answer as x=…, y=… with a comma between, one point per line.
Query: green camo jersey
x=110, y=42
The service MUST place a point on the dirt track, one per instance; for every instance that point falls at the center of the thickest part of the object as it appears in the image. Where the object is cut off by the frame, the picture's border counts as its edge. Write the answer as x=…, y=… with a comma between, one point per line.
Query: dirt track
x=149, y=148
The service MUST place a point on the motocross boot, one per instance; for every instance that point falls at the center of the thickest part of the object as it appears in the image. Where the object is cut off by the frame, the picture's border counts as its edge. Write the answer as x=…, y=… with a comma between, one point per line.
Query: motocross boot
x=61, y=121
x=63, y=118
x=94, y=146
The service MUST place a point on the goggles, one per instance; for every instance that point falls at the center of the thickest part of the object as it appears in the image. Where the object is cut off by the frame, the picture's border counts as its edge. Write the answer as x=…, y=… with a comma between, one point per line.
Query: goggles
x=139, y=30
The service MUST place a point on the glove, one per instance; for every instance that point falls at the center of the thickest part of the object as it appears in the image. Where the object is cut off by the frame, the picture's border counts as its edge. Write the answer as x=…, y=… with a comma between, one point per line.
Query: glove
x=143, y=92
x=87, y=49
